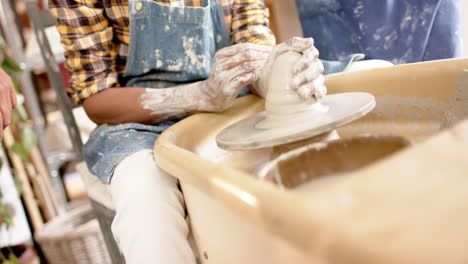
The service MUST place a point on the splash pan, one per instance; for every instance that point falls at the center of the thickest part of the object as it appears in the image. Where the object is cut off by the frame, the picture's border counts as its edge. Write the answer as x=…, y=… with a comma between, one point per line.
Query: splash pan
x=309, y=167
x=410, y=206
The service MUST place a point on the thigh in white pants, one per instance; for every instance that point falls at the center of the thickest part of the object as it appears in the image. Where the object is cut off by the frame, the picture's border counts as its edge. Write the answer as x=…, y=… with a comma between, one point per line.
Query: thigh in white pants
x=150, y=224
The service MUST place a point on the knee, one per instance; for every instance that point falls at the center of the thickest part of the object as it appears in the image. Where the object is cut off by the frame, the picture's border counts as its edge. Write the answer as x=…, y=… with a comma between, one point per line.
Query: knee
x=139, y=172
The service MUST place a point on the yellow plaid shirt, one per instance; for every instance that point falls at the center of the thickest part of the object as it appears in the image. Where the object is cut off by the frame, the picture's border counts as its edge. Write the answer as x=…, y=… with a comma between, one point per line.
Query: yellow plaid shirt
x=95, y=35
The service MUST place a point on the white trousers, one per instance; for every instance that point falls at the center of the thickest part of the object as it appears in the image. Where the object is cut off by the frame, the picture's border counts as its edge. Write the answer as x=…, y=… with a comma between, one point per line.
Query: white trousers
x=150, y=224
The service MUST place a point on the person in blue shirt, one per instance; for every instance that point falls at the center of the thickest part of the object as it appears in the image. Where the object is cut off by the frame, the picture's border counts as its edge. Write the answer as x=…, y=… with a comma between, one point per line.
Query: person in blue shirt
x=399, y=31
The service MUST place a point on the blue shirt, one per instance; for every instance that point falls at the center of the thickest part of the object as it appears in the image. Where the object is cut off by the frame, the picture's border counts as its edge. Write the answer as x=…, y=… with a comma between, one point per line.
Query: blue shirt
x=400, y=31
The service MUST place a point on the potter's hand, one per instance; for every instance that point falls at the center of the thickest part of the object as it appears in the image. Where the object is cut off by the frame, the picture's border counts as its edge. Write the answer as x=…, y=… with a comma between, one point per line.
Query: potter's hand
x=7, y=100
x=234, y=68
x=308, y=79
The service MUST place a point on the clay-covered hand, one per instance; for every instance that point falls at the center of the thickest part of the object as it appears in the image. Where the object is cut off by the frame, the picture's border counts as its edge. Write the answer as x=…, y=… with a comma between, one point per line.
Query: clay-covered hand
x=234, y=67
x=7, y=100
x=308, y=79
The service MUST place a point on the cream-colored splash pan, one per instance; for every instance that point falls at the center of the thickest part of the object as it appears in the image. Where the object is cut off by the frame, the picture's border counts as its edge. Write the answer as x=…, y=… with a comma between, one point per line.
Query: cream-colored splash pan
x=411, y=207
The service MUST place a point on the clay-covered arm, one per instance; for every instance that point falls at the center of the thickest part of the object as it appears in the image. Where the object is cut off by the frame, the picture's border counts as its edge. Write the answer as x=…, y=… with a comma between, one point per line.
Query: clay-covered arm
x=234, y=68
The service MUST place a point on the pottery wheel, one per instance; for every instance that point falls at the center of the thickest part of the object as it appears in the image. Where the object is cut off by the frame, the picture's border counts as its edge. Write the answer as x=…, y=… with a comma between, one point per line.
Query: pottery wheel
x=288, y=117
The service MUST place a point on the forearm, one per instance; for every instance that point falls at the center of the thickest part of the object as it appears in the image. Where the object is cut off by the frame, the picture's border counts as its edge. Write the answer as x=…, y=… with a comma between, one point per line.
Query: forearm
x=139, y=105
x=234, y=67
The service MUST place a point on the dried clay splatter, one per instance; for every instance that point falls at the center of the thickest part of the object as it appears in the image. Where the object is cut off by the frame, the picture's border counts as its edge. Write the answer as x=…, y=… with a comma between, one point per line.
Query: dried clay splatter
x=458, y=109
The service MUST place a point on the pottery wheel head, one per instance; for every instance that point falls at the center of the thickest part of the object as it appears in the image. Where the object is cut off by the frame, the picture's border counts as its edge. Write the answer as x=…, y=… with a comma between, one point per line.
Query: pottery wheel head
x=338, y=110
x=289, y=117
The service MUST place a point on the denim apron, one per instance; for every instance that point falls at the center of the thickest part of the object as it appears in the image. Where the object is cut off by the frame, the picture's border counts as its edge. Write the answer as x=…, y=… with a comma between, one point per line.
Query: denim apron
x=169, y=46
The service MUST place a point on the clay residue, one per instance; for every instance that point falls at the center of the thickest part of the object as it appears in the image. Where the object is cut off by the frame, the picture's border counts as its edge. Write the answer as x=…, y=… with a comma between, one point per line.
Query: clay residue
x=401, y=115
x=411, y=108
x=246, y=161
x=158, y=56
x=414, y=117
x=458, y=109
x=175, y=65
x=191, y=45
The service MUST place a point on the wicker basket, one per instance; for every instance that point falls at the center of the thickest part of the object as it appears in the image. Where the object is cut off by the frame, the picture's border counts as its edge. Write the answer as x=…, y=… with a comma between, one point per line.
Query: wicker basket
x=74, y=237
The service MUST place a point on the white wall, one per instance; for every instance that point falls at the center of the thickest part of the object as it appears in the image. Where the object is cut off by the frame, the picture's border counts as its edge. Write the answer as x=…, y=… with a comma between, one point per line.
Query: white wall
x=464, y=7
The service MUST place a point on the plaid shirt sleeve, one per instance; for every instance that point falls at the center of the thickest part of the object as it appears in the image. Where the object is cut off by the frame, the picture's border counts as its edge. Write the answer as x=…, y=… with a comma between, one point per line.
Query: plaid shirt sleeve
x=87, y=39
x=250, y=23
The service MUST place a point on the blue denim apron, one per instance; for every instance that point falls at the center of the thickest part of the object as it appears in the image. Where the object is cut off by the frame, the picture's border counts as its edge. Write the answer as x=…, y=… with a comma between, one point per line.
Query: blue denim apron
x=401, y=31
x=169, y=46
